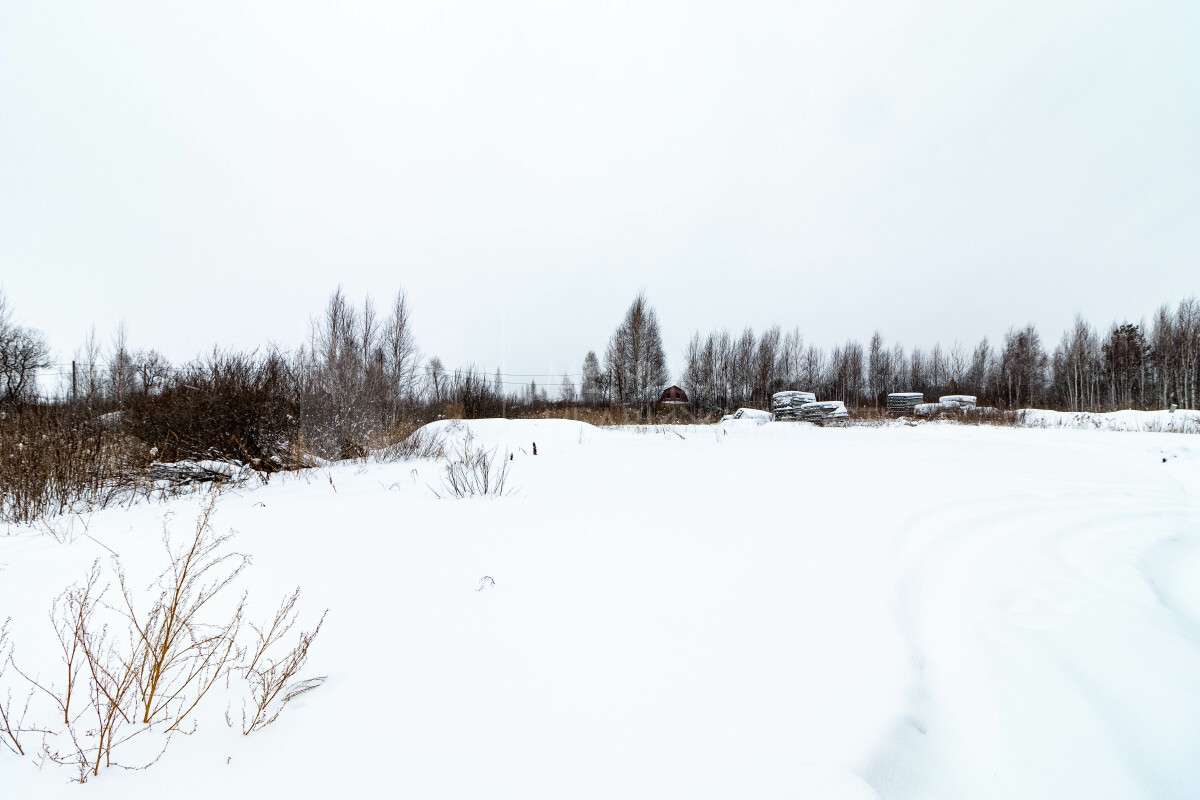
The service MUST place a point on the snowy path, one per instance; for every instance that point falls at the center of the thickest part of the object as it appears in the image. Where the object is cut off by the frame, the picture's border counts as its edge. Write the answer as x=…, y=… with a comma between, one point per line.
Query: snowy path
x=1054, y=637
x=709, y=612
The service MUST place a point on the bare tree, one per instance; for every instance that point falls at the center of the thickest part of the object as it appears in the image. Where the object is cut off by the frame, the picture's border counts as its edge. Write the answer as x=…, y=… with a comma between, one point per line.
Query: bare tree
x=593, y=380
x=435, y=373
x=791, y=353
x=1164, y=361
x=23, y=351
x=937, y=368
x=400, y=348
x=90, y=378
x=724, y=368
x=766, y=375
x=1077, y=367
x=120, y=365
x=900, y=370
x=695, y=378
x=336, y=344
x=151, y=370
x=980, y=377
x=635, y=359
x=812, y=367
x=879, y=368
x=918, y=370
x=566, y=392
x=743, y=367
x=845, y=378
x=1187, y=347
x=1023, y=366
x=956, y=363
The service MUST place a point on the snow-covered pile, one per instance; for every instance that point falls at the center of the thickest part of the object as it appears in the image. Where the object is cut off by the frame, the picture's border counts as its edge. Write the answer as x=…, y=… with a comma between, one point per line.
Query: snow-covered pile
x=903, y=402
x=750, y=416
x=787, y=405
x=1179, y=421
x=205, y=471
x=957, y=400
x=824, y=411
x=703, y=611
x=949, y=403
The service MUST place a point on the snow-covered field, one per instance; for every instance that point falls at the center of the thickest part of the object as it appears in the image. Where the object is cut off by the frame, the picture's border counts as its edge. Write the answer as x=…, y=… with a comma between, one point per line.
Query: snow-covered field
x=1179, y=421
x=740, y=610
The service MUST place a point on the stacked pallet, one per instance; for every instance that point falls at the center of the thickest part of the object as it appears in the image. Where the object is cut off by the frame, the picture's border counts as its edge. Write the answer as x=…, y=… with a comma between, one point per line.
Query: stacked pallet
x=787, y=405
x=904, y=402
x=949, y=403
x=825, y=411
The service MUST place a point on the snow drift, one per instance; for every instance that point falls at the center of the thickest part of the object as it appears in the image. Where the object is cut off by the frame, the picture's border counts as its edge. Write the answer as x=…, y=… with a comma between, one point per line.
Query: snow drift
x=1179, y=421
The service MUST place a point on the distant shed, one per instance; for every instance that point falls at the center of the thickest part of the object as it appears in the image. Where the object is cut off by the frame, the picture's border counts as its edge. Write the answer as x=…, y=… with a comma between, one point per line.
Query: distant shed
x=673, y=396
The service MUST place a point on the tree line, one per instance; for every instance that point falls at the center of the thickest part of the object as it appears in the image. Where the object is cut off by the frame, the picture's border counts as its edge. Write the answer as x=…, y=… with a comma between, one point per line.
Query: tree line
x=1127, y=365
x=360, y=367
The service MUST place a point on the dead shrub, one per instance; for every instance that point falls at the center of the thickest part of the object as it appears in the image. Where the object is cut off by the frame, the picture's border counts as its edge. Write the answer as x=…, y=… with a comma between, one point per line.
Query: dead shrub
x=406, y=441
x=228, y=406
x=472, y=471
x=274, y=681
x=177, y=657
x=128, y=673
x=95, y=697
x=12, y=715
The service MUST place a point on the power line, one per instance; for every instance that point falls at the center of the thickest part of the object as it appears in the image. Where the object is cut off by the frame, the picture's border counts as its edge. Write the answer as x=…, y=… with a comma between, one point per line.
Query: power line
x=81, y=365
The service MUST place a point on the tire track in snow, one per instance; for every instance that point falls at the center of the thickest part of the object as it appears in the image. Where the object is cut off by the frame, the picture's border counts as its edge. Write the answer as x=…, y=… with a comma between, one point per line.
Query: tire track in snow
x=1049, y=660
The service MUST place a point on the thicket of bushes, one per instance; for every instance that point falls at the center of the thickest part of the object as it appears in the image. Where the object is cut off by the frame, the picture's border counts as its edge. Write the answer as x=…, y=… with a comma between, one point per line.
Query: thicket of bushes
x=54, y=459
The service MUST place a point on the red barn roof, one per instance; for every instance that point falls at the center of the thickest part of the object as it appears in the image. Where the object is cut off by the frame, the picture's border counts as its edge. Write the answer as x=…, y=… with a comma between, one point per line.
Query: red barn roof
x=673, y=395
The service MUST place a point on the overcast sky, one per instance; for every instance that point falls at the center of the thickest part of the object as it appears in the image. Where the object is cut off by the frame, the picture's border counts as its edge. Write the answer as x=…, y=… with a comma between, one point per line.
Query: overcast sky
x=210, y=171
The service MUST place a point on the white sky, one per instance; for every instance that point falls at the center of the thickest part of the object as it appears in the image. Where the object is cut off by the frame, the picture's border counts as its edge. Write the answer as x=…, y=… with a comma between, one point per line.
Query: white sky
x=209, y=171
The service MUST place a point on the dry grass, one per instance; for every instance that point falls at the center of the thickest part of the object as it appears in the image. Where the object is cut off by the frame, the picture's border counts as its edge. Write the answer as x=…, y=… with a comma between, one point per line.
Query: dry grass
x=13, y=728
x=135, y=669
x=56, y=460
x=405, y=441
x=474, y=471
x=274, y=680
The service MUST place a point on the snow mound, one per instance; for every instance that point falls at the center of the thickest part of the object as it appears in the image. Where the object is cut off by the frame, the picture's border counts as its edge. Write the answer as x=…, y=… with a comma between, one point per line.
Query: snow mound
x=513, y=435
x=751, y=416
x=1180, y=421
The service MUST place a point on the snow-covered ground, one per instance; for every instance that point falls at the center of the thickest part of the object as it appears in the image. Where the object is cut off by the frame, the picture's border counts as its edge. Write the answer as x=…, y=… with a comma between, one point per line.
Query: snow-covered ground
x=739, y=610
x=1179, y=421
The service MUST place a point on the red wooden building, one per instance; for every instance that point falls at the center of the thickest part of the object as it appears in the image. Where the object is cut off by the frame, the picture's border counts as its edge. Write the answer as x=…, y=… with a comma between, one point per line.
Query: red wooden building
x=673, y=396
